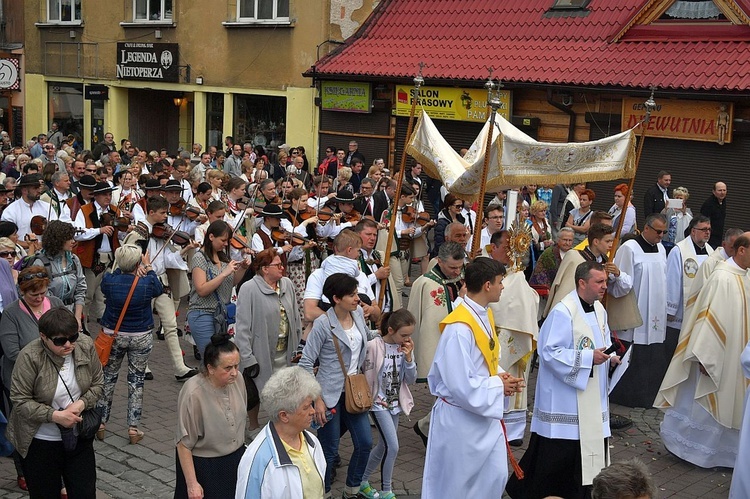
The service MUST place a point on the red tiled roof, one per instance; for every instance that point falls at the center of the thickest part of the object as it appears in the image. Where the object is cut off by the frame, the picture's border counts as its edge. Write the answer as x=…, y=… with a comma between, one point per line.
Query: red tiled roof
x=459, y=40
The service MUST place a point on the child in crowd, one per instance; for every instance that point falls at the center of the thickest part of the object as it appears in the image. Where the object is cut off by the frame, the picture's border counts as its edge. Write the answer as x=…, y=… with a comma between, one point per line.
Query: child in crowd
x=389, y=368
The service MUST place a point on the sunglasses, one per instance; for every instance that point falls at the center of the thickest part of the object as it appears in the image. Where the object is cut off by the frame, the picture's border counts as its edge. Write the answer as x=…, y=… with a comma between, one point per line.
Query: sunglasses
x=60, y=341
x=660, y=232
x=90, y=171
x=6, y=254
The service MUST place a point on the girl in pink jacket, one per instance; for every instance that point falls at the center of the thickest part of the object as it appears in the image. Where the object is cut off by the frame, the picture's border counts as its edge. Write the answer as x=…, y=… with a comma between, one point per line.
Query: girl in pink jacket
x=389, y=367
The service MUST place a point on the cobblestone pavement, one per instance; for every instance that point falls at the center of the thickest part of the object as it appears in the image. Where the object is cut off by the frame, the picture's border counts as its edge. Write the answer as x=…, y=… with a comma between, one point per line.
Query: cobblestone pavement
x=147, y=470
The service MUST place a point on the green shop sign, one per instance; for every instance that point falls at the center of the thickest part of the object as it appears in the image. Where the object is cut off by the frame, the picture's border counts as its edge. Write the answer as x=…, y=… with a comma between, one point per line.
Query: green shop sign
x=346, y=97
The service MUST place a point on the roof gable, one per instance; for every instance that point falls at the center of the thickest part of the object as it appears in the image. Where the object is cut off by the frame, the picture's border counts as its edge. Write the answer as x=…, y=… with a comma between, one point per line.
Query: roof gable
x=647, y=23
x=458, y=41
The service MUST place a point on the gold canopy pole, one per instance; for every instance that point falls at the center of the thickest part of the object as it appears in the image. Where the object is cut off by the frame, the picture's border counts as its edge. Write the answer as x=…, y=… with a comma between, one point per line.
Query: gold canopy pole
x=650, y=106
x=418, y=82
x=493, y=101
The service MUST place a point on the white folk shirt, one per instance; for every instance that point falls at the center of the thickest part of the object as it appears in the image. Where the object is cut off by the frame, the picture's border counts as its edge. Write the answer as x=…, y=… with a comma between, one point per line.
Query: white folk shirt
x=256, y=243
x=20, y=213
x=649, y=272
x=92, y=232
x=563, y=370
x=682, y=268
x=466, y=456
x=169, y=258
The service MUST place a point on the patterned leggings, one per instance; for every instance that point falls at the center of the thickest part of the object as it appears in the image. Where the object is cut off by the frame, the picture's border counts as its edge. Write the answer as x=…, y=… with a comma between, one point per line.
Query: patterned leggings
x=138, y=349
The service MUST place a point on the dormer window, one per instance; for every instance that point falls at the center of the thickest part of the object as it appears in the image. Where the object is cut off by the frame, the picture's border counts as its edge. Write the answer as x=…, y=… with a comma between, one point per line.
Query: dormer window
x=693, y=10
x=569, y=4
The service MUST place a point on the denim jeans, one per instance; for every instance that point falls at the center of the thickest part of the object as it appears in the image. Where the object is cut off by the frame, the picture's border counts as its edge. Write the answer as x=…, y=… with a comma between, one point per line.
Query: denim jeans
x=330, y=434
x=201, y=327
x=387, y=449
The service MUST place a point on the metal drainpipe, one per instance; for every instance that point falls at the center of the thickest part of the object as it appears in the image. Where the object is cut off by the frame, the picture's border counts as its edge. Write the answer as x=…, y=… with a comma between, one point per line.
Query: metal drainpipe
x=567, y=110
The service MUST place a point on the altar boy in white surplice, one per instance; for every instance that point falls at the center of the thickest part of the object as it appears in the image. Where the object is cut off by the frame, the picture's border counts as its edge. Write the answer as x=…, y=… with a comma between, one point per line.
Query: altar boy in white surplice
x=466, y=449
x=568, y=445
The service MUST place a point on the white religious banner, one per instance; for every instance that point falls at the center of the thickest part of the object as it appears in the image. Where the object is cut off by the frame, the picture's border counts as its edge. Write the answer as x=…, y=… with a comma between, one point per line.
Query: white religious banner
x=517, y=159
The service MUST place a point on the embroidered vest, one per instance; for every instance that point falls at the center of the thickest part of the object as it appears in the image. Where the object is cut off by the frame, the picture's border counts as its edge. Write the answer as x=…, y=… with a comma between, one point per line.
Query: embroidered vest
x=86, y=249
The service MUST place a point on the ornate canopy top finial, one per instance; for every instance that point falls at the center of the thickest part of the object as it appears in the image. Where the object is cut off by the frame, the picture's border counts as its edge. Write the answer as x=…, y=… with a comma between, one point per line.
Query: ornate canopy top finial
x=418, y=80
x=650, y=104
x=489, y=85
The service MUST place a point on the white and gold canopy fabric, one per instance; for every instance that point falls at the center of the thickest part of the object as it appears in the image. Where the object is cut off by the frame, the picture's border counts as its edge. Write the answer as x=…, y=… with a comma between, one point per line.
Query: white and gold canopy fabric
x=516, y=159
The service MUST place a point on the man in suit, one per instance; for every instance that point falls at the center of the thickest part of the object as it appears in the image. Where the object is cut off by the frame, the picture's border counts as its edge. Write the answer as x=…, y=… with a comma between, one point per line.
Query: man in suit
x=383, y=199
x=353, y=153
x=366, y=204
x=656, y=196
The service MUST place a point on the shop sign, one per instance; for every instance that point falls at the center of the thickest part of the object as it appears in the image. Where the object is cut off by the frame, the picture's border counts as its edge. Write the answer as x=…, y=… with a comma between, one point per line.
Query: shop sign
x=10, y=70
x=348, y=97
x=707, y=121
x=148, y=61
x=447, y=103
x=96, y=92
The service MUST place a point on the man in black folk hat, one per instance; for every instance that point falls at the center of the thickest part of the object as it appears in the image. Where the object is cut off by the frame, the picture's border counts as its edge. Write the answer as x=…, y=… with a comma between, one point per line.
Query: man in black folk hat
x=176, y=218
x=272, y=220
x=83, y=196
x=97, y=243
x=152, y=188
x=29, y=205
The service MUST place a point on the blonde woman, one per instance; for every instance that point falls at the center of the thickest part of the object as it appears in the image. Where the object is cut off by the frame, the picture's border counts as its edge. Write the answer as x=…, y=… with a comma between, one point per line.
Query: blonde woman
x=678, y=218
x=216, y=179
x=342, y=180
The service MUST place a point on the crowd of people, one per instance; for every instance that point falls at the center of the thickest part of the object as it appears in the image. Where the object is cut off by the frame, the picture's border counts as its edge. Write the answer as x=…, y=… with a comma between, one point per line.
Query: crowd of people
x=293, y=306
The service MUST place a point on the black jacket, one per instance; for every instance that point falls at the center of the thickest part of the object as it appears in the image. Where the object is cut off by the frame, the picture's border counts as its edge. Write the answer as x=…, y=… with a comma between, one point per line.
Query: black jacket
x=653, y=200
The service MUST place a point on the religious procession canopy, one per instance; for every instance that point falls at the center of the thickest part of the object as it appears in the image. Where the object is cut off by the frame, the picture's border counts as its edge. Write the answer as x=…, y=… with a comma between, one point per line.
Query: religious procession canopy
x=517, y=159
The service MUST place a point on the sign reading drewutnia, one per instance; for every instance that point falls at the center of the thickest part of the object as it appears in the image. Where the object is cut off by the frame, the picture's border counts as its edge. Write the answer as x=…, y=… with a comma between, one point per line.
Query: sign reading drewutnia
x=148, y=61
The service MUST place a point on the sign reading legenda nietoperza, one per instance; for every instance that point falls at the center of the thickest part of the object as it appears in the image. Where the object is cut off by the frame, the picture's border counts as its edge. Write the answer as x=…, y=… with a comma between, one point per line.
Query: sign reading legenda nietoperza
x=148, y=61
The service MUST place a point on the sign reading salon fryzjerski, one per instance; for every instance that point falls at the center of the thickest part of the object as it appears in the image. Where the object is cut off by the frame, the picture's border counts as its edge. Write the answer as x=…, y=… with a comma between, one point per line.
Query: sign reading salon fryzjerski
x=147, y=61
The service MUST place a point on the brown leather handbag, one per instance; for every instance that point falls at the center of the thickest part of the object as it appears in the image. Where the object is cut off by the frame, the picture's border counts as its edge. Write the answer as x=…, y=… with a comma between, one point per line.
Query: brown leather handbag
x=357, y=396
x=103, y=342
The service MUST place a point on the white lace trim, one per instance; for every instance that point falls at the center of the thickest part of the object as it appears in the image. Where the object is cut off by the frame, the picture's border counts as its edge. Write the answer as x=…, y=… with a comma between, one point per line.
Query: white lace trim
x=683, y=9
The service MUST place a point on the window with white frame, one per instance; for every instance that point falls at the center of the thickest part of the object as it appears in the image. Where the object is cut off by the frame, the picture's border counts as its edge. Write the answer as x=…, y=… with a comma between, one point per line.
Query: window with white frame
x=263, y=10
x=152, y=10
x=64, y=11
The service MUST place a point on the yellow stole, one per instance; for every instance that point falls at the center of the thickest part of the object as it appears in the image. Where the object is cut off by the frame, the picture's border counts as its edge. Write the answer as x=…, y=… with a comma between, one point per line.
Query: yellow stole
x=491, y=355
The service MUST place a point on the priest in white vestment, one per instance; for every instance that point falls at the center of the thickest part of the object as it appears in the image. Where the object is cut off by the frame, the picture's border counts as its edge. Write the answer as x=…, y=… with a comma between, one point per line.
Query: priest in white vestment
x=516, y=326
x=704, y=388
x=720, y=254
x=683, y=266
x=740, y=488
x=570, y=425
x=466, y=451
x=645, y=259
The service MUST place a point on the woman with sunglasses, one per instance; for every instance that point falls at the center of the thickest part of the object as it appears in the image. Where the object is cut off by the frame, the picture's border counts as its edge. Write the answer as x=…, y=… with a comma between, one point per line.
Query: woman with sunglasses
x=18, y=328
x=9, y=253
x=56, y=378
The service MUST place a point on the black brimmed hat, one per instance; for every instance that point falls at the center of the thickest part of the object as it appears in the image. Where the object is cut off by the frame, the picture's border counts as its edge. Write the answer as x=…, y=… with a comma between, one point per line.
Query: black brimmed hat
x=31, y=180
x=87, y=182
x=272, y=210
x=173, y=185
x=103, y=188
x=152, y=184
x=344, y=197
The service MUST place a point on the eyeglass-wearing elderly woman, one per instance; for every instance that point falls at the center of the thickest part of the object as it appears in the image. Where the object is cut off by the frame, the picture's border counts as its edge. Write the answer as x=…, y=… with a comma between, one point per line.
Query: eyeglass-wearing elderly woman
x=57, y=377
x=134, y=336
x=67, y=280
x=268, y=326
x=211, y=416
x=264, y=472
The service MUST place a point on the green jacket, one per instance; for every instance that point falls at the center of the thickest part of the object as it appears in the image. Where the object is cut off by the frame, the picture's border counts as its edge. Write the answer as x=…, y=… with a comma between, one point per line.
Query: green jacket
x=34, y=383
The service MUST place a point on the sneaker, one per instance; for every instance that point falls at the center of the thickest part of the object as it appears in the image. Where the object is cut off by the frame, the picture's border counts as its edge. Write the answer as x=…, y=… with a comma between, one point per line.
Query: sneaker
x=388, y=495
x=367, y=492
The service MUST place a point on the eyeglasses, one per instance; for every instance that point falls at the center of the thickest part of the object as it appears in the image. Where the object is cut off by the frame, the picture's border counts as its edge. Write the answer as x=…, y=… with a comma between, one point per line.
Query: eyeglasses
x=6, y=254
x=705, y=229
x=60, y=341
x=660, y=232
x=277, y=265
